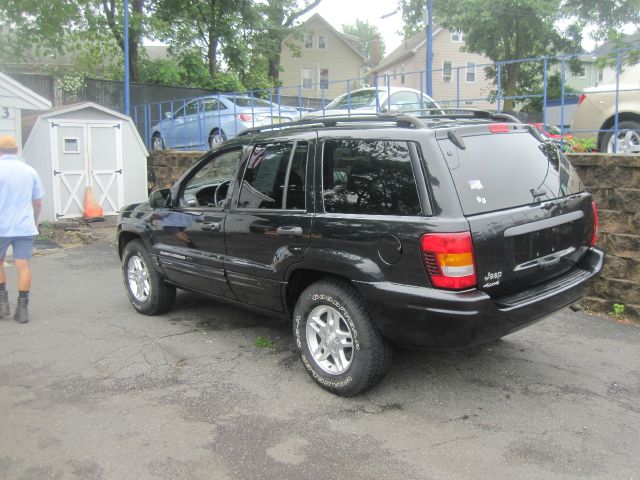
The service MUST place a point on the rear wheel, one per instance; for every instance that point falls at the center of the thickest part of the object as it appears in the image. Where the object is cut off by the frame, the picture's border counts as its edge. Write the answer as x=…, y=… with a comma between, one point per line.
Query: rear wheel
x=157, y=143
x=148, y=293
x=339, y=345
x=628, y=138
x=215, y=137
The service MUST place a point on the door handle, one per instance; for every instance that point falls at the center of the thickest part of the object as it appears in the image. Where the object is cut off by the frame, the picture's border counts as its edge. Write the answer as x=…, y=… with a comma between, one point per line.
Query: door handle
x=211, y=226
x=289, y=231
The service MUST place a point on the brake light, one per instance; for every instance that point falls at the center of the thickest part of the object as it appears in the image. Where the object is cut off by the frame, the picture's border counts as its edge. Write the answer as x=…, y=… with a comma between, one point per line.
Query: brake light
x=594, y=207
x=244, y=117
x=499, y=128
x=448, y=259
x=581, y=99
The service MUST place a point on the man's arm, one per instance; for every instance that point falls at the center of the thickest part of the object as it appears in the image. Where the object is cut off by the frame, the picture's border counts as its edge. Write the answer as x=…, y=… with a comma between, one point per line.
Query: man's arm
x=37, y=208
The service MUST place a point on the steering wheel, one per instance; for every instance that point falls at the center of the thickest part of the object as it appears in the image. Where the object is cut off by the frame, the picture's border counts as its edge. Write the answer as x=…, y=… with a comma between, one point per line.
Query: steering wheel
x=218, y=200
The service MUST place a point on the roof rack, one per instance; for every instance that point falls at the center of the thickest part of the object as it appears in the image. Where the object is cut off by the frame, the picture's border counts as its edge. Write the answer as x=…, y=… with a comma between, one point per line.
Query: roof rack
x=465, y=113
x=399, y=119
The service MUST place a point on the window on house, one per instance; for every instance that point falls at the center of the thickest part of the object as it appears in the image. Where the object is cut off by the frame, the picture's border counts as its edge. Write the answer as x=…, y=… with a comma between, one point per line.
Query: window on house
x=307, y=78
x=308, y=41
x=324, y=78
x=322, y=42
x=447, y=66
x=582, y=72
x=471, y=72
x=457, y=37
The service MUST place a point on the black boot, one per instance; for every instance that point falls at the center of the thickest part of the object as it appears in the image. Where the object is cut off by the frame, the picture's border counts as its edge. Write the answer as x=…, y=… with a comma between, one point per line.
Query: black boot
x=22, y=312
x=5, y=310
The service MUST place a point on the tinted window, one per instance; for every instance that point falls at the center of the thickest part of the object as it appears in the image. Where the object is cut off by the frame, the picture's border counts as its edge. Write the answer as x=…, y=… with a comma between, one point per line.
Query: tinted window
x=501, y=171
x=369, y=177
x=267, y=173
x=246, y=102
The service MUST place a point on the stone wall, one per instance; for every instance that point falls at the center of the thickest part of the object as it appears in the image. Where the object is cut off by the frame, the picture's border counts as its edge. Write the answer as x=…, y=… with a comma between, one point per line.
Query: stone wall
x=165, y=166
x=614, y=181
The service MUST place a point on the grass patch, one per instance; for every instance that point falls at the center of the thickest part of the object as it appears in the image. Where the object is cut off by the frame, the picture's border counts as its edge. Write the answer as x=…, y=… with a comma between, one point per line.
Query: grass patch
x=262, y=342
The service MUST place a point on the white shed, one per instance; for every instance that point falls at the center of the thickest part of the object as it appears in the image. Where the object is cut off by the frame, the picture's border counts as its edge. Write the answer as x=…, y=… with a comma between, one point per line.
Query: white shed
x=15, y=97
x=87, y=145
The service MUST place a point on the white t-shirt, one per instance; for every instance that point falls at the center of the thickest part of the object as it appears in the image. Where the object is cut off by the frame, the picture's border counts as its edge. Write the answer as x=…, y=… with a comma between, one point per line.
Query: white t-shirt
x=19, y=186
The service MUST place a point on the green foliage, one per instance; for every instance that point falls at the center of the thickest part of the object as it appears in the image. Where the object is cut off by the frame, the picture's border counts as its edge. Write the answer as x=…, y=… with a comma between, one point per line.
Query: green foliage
x=580, y=145
x=72, y=86
x=617, y=309
x=502, y=30
x=262, y=342
x=536, y=86
x=365, y=33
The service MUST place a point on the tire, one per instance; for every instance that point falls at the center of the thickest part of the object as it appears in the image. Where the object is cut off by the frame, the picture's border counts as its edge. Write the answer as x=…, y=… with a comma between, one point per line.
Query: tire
x=216, y=137
x=323, y=306
x=157, y=142
x=147, y=292
x=625, y=139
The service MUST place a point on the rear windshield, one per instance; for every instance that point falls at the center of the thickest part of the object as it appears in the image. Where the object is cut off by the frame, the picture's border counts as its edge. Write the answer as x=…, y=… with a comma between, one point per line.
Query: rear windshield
x=500, y=171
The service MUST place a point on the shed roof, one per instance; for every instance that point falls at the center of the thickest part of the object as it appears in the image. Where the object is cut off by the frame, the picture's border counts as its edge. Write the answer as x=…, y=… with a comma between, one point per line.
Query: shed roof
x=26, y=98
x=86, y=105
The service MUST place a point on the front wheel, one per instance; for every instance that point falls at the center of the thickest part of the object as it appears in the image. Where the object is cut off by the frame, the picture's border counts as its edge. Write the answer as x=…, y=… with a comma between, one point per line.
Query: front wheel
x=339, y=345
x=148, y=293
x=628, y=138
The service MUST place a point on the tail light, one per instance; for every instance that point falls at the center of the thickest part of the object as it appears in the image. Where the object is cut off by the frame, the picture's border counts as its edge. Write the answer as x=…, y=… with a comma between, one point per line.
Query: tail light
x=581, y=99
x=244, y=117
x=448, y=259
x=594, y=207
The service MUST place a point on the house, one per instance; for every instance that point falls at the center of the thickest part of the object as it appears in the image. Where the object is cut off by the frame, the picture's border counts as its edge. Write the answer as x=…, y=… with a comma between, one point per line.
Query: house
x=320, y=62
x=458, y=77
x=15, y=97
x=607, y=49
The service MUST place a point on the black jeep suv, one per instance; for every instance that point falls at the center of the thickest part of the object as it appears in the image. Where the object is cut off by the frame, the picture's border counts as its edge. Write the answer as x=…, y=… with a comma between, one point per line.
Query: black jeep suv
x=442, y=231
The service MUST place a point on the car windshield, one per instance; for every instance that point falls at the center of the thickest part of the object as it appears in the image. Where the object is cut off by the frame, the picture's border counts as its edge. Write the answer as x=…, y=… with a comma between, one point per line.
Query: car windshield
x=246, y=102
x=356, y=100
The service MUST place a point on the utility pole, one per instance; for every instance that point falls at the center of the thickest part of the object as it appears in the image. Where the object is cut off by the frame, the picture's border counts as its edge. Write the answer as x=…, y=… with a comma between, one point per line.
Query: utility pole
x=126, y=57
x=429, y=18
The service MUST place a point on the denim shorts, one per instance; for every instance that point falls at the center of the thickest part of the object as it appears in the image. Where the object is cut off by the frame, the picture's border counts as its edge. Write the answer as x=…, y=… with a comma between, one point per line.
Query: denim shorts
x=22, y=247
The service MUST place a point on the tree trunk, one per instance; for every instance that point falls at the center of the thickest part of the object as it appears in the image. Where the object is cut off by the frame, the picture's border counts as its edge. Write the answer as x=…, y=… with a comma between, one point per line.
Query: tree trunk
x=512, y=74
x=212, y=53
x=274, y=70
x=133, y=60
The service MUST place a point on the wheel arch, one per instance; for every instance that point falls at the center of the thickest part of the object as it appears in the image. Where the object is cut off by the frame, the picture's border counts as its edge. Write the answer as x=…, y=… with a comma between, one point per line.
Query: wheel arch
x=610, y=122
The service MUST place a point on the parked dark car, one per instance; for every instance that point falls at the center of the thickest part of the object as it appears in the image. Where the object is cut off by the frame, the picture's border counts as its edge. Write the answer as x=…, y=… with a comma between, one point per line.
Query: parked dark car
x=438, y=232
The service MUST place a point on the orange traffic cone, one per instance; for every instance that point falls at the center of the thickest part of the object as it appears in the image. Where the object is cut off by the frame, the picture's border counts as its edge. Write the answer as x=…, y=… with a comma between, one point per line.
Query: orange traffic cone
x=92, y=210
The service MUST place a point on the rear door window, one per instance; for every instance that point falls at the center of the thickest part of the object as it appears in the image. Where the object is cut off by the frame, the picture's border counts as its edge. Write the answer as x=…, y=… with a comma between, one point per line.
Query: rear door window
x=369, y=177
x=500, y=171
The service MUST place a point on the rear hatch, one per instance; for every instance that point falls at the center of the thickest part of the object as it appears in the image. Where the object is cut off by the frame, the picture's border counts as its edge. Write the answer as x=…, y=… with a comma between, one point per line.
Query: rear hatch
x=529, y=215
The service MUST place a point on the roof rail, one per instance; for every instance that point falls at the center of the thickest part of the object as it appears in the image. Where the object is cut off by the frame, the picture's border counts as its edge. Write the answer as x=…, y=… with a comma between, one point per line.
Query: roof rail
x=334, y=120
x=465, y=113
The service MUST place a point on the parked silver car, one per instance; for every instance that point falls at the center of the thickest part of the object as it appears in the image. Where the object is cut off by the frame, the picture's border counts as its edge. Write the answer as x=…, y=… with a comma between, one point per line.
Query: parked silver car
x=363, y=100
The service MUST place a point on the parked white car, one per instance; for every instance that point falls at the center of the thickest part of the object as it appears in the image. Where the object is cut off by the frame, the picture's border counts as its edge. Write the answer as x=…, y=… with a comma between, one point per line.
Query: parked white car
x=597, y=108
x=363, y=101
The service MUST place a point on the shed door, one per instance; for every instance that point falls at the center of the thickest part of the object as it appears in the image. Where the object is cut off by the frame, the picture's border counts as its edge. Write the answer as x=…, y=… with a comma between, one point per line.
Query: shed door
x=87, y=155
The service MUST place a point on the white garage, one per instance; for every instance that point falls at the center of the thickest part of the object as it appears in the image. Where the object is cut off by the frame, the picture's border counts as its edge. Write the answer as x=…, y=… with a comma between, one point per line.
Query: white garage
x=15, y=97
x=87, y=145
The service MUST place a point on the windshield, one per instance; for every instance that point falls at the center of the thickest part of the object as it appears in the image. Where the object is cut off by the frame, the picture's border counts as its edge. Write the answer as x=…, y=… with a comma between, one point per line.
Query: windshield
x=496, y=172
x=246, y=102
x=359, y=99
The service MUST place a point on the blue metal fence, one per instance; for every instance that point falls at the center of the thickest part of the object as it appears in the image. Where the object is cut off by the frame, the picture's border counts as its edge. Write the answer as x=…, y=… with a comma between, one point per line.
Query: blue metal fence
x=198, y=123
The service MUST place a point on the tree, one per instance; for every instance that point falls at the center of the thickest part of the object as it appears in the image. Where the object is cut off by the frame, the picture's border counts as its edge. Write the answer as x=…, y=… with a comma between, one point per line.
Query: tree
x=503, y=30
x=279, y=17
x=605, y=16
x=365, y=33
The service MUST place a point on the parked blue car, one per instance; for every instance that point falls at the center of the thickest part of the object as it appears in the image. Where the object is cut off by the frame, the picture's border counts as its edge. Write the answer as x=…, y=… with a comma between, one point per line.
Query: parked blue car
x=208, y=121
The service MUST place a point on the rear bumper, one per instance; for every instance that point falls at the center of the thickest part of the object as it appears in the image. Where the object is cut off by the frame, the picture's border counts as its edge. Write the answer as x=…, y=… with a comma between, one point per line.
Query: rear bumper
x=424, y=317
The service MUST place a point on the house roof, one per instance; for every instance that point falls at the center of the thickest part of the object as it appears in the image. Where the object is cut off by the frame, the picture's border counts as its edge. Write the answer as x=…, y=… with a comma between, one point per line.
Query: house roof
x=26, y=99
x=81, y=106
x=348, y=40
x=408, y=49
x=632, y=39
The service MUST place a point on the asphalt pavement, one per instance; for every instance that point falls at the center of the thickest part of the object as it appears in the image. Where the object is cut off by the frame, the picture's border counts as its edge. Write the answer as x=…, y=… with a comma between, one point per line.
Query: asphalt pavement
x=91, y=390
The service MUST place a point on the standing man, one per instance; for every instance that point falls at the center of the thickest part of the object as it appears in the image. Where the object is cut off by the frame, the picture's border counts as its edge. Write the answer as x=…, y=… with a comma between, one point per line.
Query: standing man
x=20, y=204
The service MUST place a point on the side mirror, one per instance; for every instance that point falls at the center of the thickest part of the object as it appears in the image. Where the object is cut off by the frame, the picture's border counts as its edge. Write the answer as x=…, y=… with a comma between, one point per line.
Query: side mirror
x=160, y=198
x=168, y=115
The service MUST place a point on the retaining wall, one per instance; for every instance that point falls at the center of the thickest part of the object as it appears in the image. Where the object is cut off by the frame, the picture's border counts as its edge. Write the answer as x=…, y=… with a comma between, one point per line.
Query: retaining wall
x=614, y=181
